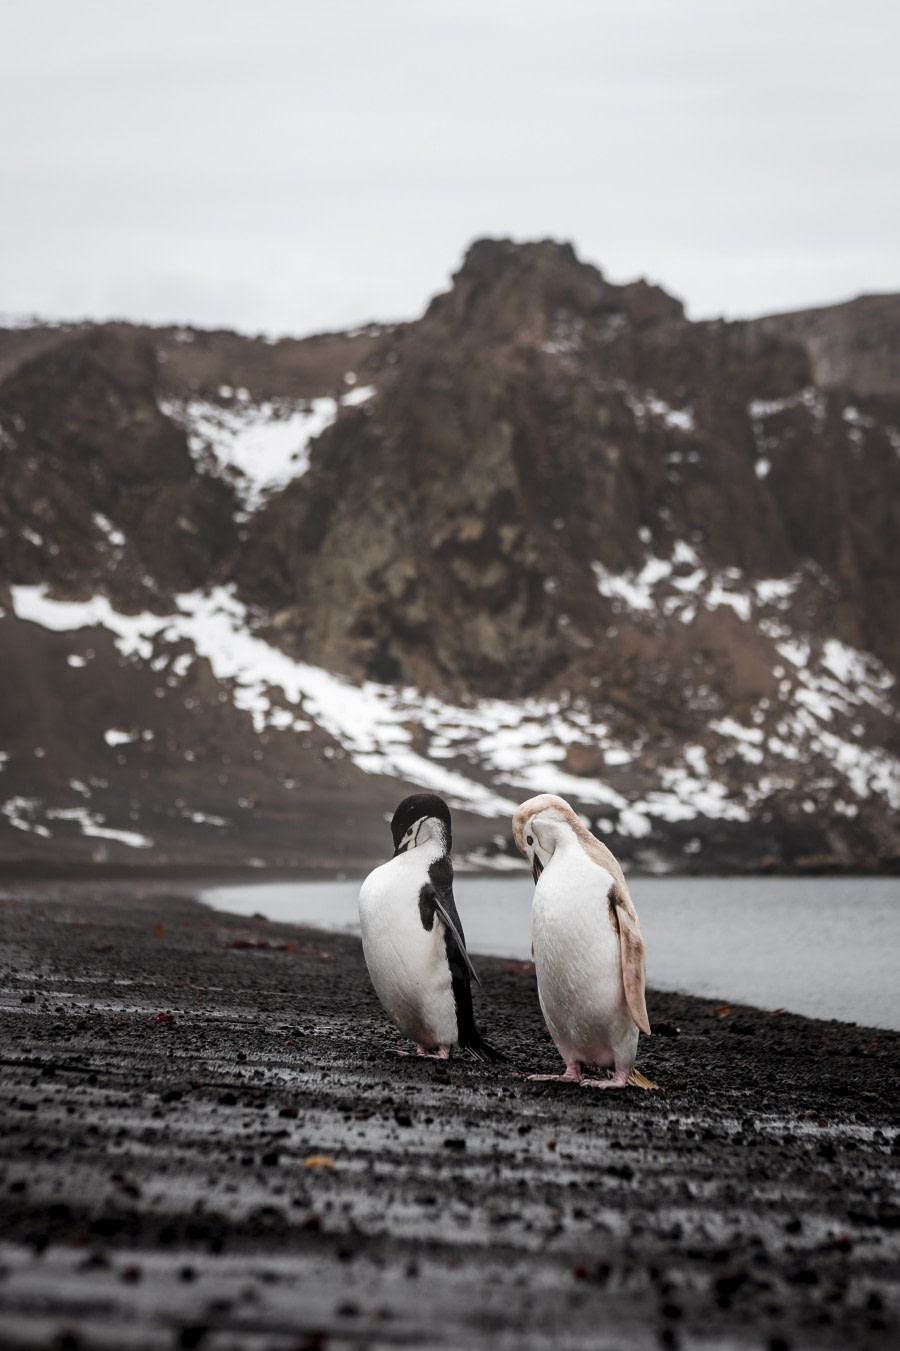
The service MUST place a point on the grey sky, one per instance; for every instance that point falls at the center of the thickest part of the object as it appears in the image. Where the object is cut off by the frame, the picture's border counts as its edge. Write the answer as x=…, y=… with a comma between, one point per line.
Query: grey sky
x=289, y=167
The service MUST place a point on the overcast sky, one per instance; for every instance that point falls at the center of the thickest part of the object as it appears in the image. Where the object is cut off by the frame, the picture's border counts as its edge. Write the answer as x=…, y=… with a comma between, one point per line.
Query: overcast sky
x=286, y=166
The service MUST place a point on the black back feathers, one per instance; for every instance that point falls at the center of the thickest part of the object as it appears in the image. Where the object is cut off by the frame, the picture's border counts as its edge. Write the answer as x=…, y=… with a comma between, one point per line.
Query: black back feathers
x=416, y=808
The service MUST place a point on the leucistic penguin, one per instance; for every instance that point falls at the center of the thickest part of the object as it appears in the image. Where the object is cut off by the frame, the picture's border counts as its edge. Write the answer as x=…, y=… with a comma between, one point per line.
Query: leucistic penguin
x=412, y=937
x=587, y=946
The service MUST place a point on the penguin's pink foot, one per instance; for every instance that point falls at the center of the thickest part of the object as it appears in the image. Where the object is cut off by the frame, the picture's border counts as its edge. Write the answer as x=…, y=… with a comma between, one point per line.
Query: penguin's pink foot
x=617, y=1080
x=442, y=1052
x=571, y=1076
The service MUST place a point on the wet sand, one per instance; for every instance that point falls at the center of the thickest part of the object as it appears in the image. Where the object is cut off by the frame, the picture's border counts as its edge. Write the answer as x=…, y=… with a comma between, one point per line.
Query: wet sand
x=209, y=1141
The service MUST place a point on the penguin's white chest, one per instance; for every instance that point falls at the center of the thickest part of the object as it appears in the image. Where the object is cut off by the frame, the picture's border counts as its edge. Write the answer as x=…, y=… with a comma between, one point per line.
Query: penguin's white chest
x=578, y=963
x=407, y=963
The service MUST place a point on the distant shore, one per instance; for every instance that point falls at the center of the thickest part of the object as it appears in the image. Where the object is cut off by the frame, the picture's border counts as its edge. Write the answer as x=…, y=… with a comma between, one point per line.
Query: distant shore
x=210, y=1141
x=217, y=872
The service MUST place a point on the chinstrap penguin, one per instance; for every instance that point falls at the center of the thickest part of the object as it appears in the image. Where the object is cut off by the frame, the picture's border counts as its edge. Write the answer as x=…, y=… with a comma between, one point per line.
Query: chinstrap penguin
x=587, y=946
x=412, y=937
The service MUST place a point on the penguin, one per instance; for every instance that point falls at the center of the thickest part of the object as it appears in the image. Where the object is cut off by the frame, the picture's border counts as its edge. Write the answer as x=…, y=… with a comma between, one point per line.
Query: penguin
x=587, y=946
x=412, y=937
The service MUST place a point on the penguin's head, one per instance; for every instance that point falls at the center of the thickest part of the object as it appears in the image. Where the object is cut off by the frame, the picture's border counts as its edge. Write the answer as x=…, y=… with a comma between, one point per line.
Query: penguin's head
x=537, y=825
x=420, y=818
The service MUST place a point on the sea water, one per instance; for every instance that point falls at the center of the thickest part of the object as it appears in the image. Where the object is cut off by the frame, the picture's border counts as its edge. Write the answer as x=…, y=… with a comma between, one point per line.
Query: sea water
x=826, y=947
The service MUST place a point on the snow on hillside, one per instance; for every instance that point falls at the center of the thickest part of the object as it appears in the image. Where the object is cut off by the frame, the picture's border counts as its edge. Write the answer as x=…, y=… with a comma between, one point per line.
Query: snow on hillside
x=680, y=584
x=259, y=447
x=494, y=744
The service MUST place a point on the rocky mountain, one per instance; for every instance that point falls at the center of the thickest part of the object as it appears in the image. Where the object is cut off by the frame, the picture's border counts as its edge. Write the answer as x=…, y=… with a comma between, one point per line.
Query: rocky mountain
x=853, y=346
x=551, y=536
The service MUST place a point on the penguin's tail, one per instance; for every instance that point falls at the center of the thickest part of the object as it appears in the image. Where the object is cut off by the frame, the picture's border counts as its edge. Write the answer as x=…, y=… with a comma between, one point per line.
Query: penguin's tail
x=481, y=1048
x=638, y=1080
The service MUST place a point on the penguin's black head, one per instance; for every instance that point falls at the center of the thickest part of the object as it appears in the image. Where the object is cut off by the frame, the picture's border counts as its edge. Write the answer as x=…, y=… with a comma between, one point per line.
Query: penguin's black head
x=413, y=810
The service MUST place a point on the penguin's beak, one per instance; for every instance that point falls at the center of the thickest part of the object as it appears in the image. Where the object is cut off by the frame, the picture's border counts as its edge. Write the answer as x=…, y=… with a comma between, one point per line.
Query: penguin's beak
x=537, y=867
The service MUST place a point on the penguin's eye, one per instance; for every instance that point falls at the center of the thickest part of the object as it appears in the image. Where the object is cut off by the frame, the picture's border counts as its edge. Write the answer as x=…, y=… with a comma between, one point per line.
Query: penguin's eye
x=410, y=831
x=529, y=839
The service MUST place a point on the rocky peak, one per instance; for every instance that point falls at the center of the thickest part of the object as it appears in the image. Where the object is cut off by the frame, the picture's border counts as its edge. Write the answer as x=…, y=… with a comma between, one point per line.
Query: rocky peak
x=540, y=428
x=515, y=290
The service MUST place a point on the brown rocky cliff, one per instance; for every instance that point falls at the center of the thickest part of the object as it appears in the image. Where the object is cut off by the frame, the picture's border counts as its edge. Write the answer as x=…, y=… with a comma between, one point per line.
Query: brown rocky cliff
x=675, y=541
x=91, y=460
x=854, y=345
x=538, y=420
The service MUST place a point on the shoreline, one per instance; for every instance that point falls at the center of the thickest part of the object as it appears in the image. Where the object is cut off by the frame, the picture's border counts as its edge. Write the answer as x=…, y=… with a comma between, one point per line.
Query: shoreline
x=189, y=1091
x=710, y=937
x=84, y=870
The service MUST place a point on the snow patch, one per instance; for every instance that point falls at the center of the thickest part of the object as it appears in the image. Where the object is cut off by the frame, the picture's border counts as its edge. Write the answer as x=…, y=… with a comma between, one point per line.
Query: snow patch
x=777, y=591
x=649, y=404
x=760, y=411
x=106, y=527
x=20, y=813
x=634, y=588
x=92, y=826
x=259, y=447
x=114, y=736
x=354, y=397
x=402, y=733
x=134, y=634
x=637, y=590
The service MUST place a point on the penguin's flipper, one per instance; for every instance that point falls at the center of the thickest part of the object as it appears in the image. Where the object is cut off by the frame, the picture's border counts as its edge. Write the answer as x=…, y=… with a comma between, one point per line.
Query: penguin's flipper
x=453, y=933
x=469, y=1035
x=631, y=950
x=440, y=893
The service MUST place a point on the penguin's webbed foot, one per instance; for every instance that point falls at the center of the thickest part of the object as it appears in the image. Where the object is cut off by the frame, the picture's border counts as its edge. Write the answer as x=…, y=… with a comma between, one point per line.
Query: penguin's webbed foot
x=442, y=1052
x=617, y=1080
x=571, y=1076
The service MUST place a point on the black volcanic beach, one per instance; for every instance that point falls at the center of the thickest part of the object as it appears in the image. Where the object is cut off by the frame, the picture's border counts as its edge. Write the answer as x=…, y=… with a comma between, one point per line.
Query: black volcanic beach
x=209, y=1141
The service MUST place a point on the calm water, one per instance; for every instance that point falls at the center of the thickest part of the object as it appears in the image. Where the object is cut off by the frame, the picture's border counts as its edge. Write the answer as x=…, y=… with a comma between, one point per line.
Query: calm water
x=826, y=947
